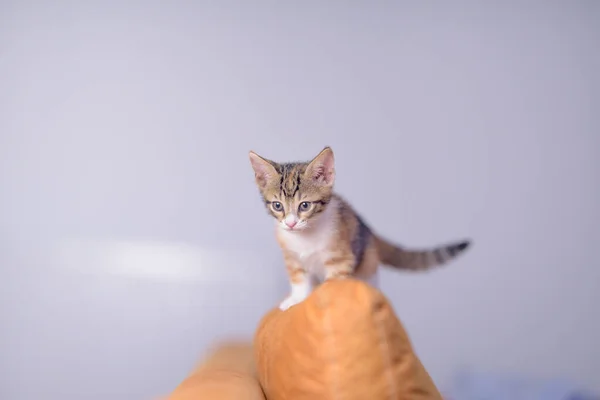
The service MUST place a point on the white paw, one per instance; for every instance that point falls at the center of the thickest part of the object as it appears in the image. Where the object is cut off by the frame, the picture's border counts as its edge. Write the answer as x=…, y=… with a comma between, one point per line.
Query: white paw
x=289, y=302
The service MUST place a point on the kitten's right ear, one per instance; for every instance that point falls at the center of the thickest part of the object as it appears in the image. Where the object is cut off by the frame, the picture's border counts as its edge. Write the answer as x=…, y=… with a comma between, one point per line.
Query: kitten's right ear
x=264, y=170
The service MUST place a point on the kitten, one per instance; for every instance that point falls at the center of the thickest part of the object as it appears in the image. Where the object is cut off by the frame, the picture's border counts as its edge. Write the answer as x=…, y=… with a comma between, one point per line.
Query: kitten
x=321, y=236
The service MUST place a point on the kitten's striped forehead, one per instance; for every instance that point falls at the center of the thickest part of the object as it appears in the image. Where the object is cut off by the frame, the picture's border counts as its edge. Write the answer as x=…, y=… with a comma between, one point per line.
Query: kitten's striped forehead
x=290, y=178
x=291, y=186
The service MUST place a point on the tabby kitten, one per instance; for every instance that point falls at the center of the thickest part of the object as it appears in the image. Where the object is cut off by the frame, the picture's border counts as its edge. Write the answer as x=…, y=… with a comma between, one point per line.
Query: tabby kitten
x=321, y=236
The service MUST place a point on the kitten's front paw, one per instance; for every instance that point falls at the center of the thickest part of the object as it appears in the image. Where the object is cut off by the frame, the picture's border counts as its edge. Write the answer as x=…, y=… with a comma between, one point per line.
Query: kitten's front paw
x=288, y=302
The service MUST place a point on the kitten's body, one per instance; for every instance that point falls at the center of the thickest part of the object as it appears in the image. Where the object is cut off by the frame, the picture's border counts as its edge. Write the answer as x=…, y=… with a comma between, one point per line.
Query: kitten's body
x=321, y=236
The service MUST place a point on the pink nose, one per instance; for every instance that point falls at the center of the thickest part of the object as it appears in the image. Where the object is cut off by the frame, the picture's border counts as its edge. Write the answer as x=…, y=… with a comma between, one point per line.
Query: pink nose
x=291, y=223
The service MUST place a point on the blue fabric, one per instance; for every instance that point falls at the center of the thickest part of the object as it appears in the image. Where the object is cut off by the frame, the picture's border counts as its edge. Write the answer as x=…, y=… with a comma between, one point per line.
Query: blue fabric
x=477, y=385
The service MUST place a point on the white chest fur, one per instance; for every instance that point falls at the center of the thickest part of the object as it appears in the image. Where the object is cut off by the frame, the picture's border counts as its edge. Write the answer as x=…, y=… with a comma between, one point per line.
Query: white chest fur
x=311, y=245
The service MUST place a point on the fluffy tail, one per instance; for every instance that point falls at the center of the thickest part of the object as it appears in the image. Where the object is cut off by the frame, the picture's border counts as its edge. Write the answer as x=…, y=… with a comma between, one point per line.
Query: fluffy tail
x=418, y=260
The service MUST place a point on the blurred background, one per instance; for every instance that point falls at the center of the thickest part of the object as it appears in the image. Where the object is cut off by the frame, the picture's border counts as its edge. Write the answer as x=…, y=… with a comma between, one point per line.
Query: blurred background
x=131, y=231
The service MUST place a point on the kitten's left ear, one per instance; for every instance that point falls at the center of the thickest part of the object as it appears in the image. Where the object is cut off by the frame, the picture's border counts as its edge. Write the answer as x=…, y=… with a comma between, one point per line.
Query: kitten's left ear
x=322, y=168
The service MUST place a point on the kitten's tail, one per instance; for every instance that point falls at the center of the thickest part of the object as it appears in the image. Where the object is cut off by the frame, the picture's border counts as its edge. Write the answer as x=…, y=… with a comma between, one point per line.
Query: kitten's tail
x=415, y=259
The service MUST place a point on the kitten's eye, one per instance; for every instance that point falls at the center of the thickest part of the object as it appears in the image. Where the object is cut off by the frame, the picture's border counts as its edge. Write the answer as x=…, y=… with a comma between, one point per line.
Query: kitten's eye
x=276, y=206
x=305, y=206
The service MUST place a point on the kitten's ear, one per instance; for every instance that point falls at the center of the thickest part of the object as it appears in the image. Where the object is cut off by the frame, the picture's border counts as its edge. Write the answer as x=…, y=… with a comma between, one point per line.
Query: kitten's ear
x=264, y=170
x=322, y=169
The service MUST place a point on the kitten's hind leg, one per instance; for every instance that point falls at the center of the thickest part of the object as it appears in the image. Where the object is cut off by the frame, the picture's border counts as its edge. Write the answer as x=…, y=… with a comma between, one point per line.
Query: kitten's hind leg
x=372, y=280
x=368, y=270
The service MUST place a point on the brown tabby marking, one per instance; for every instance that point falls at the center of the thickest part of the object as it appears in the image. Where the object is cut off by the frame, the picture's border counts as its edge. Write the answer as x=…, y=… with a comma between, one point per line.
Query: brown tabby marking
x=321, y=236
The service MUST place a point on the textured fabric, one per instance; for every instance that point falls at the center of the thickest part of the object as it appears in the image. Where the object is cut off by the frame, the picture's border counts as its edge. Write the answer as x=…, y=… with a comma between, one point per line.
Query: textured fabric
x=343, y=342
x=227, y=374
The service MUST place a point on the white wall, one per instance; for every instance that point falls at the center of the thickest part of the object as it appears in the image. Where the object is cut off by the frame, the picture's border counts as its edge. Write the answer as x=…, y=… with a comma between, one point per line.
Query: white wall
x=127, y=202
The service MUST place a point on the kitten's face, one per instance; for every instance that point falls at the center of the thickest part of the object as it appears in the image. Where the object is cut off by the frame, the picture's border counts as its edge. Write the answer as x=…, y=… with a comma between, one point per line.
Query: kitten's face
x=295, y=193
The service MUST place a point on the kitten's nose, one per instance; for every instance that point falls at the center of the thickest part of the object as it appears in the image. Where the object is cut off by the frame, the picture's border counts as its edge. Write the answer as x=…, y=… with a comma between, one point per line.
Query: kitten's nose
x=290, y=223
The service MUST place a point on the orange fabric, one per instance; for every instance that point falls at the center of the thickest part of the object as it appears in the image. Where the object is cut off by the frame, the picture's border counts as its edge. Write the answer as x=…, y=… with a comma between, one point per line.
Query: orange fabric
x=227, y=374
x=343, y=342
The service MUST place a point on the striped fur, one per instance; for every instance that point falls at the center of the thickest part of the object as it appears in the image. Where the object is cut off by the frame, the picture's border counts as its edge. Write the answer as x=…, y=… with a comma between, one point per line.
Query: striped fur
x=320, y=234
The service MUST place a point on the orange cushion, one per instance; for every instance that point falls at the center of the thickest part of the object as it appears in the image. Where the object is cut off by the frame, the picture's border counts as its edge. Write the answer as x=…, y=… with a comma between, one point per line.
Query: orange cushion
x=343, y=342
x=227, y=374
